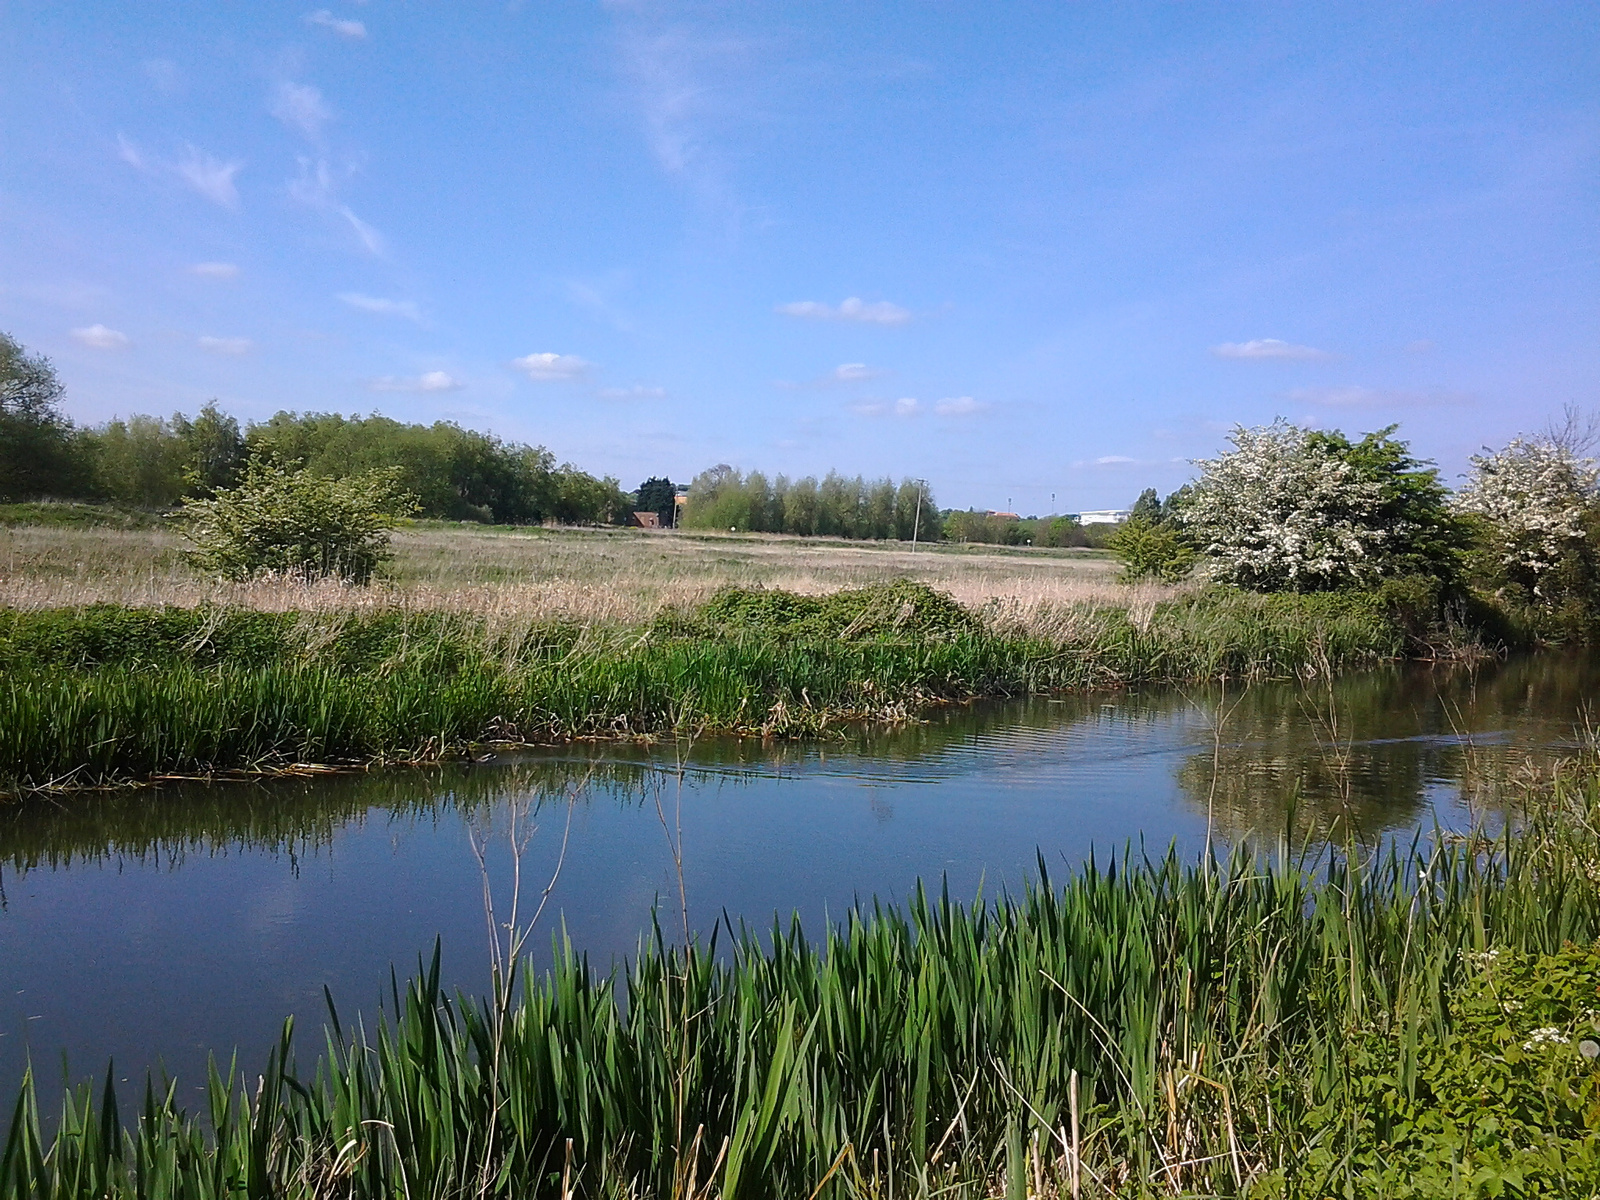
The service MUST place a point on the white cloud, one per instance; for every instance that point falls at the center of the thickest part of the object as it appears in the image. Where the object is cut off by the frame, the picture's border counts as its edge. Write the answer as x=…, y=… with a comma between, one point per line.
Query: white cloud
x=637, y=392
x=211, y=177
x=551, y=368
x=1109, y=460
x=227, y=345
x=131, y=154
x=1261, y=348
x=428, y=381
x=344, y=27
x=906, y=406
x=300, y=106
x=384, y=308
x=958, y=406
x=101, y=338
x=854, y=373
x=215, y=270
x=853, y=309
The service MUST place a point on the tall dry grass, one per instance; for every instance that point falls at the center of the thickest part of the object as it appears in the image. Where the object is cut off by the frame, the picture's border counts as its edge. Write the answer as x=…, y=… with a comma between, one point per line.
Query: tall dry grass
x=589, y=577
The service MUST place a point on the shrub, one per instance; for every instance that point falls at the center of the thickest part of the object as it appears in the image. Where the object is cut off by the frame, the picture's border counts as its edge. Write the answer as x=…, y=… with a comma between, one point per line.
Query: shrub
x=1151, y=550
x=289, y=522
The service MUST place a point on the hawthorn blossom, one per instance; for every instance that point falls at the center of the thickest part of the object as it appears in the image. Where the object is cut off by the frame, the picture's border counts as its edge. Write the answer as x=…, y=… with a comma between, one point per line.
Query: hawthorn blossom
x=1534, y=495
x=1281, y=511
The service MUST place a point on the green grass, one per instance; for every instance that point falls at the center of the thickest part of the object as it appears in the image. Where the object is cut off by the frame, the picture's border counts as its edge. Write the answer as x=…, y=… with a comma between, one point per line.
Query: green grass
x=101, y=694
x=1409, y=1025
x=61, y=514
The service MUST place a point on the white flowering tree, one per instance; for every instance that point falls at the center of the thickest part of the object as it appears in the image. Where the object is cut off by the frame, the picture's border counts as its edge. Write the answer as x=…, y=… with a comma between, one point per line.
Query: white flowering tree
x=1533, y=498
x=1291, y=509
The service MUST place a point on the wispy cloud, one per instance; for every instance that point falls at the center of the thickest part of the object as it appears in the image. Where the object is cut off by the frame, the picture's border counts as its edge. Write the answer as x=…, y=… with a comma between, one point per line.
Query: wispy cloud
x=370, y=239
x=315, y=187
x=381, y=306
x=131, y=154
x=854, y=373
x=211, y=177
x=99, y=337
x=343, y=26
x=638, y=391
x=300, y=106
x=1268, y=348
x=227, y=345
x=958, y=406
x=1112, y=460
x=428, y=381
x=906, y=406
x=547, y=367
x=1356, y=396
x=215, y=270
x=881, y=312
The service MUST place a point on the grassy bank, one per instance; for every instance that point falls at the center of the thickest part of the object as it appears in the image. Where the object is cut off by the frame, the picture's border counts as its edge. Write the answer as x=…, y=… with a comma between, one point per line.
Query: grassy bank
x=95, y=695
x=1421, y=1024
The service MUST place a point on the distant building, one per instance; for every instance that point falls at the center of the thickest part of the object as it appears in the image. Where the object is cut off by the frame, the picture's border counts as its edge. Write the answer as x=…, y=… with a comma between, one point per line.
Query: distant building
x=646, y=520
x=1004, y=516
x=1105, y=516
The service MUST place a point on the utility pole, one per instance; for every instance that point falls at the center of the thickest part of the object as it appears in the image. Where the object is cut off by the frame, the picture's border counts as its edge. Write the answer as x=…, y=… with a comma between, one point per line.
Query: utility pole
x=916, y=522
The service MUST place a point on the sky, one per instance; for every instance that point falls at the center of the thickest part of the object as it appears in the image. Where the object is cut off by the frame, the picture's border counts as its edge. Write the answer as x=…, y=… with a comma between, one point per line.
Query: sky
x=1042, y=255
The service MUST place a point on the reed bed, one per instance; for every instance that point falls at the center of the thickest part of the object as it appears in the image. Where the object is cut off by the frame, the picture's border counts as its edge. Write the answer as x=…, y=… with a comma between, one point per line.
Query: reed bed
x=1416, y=1023
x=97, y=695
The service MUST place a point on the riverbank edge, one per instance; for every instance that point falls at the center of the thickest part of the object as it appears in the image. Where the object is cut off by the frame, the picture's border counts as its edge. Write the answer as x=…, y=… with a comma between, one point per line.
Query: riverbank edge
x=107, y=696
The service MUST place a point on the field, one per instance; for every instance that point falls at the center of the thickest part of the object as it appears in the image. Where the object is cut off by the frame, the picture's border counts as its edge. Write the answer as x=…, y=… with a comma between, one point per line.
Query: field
x=587, y=576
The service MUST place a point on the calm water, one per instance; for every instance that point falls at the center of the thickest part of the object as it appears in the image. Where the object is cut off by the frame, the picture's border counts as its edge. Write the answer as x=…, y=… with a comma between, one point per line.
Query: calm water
x=153, y=926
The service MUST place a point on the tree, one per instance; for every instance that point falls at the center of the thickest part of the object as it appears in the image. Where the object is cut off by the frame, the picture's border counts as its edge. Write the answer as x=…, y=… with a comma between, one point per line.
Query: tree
x=36, y=442
x=214, y=450
x=1290, y=509
x=1151, y=549
x=286, y=521
x=1147, y=508
x=658, y=494
x=1532, y=499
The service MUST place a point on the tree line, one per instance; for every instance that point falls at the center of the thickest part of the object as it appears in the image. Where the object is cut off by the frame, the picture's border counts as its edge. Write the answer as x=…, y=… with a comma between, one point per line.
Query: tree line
x=158, y=462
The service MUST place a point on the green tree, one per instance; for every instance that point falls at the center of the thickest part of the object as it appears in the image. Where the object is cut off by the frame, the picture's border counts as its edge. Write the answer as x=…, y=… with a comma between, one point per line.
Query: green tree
x=214, y=450
x=1147, y=508
x=39, y=454
x=1151, y=550
x=658, y=494
x=287, y=521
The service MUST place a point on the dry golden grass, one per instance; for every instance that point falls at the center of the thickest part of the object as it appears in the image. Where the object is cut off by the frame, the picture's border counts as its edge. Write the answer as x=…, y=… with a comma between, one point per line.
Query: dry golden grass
x=590, y=576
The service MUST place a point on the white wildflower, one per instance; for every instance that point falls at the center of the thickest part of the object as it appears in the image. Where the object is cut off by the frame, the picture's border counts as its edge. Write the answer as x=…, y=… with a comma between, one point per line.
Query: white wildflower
x=1548, y=1036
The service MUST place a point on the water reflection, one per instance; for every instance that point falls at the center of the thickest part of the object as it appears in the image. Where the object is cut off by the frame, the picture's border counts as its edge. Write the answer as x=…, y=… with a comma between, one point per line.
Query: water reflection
x=157, y=924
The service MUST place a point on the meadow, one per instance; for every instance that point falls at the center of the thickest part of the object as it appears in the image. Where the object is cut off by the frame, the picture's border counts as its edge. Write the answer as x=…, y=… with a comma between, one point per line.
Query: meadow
x=588, y=576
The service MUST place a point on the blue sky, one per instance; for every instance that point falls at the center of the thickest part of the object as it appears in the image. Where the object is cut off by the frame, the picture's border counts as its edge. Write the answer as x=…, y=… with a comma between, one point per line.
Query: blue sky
x=1024, y=250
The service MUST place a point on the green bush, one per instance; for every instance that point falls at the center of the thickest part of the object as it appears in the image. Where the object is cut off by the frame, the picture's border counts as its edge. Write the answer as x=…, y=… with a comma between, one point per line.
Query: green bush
x=290, y=522
x=1152, y=550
